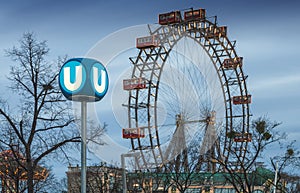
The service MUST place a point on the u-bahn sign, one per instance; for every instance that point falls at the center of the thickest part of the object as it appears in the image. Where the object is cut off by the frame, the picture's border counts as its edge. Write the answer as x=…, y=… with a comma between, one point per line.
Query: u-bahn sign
x=83, y=79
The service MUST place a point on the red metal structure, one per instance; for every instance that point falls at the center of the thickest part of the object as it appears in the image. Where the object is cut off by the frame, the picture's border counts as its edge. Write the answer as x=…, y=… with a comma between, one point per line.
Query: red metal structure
x=169, y=18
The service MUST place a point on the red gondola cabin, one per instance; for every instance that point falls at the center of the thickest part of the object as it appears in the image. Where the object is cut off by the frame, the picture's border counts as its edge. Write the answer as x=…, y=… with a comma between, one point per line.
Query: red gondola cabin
x=231, y=63
x=194, y=14
x=169, y=18
x=147, y=42
x=242, y=137
x=133, y=133
x=237, y=100
x=216, y=32
x=135, y=83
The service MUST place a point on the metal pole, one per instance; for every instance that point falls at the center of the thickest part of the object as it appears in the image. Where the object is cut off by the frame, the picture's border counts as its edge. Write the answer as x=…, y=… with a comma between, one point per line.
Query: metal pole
x=124, y=169
x=83, y=145
x=275, y=179
x=123, y=173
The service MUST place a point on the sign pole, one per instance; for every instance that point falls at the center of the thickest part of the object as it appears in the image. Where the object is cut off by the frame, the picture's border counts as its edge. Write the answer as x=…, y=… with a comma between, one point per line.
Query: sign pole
x=83, y=145
x=89, y=84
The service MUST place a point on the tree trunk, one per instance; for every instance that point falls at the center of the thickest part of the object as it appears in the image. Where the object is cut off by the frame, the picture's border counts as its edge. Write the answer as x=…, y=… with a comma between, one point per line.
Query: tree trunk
x=30, y=172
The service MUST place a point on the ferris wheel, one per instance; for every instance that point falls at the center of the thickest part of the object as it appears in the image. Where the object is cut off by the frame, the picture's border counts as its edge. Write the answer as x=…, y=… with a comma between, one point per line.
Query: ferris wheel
x=187, y=88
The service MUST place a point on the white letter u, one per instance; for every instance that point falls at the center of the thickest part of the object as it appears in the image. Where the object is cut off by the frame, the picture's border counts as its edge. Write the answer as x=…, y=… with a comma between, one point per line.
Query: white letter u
x=99, y=88
x=78, y=78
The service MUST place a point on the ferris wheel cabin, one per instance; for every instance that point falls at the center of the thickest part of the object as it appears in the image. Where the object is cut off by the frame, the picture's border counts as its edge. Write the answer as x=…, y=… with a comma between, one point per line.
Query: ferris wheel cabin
x=238, y=100
x=242, y=137
x=231, y=63
x=216, y=32
x=194, y=14
x=134, y=83
x=133, y=133
x=147, y=42
x=169, y=18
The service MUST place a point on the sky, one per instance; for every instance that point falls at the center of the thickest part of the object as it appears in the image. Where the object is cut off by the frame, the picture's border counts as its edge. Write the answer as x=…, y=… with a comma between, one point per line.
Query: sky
x=266, y=32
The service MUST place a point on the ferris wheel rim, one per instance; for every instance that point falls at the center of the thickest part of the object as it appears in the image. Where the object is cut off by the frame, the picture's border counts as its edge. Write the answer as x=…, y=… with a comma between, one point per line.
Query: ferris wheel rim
x=242, y=83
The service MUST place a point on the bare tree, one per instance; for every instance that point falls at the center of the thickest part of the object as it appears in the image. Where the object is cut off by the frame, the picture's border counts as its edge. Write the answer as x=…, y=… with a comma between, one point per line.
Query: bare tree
x=292, y=183
x=100, y=179
x=161, y=181
x=41, y=125
x=285, y=165
x=243, y=173
x=182, y=171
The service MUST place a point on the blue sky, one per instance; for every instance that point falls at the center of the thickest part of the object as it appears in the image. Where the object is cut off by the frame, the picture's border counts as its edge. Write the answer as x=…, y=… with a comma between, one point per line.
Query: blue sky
x=267, y=34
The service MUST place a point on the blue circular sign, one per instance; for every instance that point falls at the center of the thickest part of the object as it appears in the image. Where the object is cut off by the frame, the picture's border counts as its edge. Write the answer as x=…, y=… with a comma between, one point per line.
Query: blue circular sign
x=83, y=79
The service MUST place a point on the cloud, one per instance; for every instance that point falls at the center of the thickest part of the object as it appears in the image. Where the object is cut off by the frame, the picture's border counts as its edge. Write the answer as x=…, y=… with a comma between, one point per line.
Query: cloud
x=277, y=82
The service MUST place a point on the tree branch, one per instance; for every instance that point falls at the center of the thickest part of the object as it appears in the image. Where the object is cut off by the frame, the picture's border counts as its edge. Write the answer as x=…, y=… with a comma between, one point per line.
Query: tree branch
x=11, y=123
x=55, y=147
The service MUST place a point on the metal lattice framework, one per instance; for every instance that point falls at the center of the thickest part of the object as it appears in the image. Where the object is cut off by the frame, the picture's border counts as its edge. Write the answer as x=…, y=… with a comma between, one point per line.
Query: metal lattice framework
x=151, y=64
